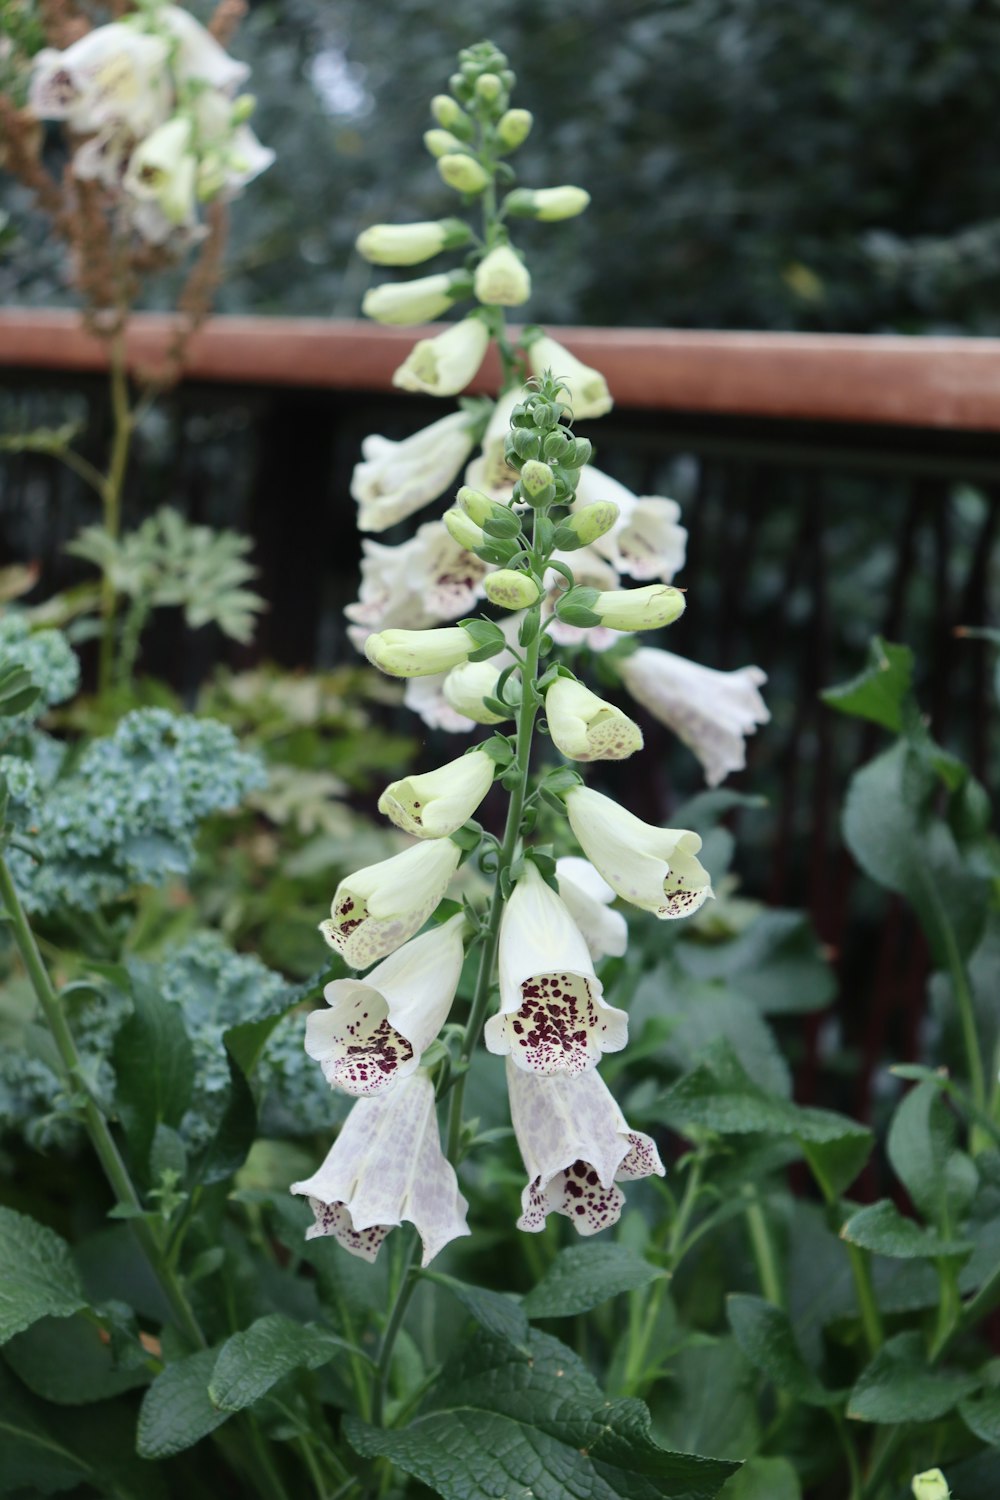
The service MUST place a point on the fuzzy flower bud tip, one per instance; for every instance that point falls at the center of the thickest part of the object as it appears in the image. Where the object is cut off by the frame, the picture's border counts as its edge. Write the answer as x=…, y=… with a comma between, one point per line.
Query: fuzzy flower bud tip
x=513, y=128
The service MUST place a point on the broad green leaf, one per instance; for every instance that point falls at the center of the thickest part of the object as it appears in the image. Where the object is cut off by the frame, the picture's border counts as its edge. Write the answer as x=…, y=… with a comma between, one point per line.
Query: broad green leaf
x=177, y=1411
x=981, y=1414
x=234, y=1135
x=913, y=855
x=976, y=1478
x=765, y=1335
x=65, y=1360
x=777, y=963
x=707, y=1400
x=882, y=1229
x=879, y=692
x=500, y=1314
x=541, y=1426
x=37, y=1276
x=246, y=1042
x=921, y=1148
x=251, y=1362
x=900, y=1386
x=763, y=1479
x=154, y=1066
x=584, y=1276
x=693, y=1012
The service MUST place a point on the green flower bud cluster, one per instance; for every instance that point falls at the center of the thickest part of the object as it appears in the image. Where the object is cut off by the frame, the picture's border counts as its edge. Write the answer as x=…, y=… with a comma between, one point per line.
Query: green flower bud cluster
x=543, y=450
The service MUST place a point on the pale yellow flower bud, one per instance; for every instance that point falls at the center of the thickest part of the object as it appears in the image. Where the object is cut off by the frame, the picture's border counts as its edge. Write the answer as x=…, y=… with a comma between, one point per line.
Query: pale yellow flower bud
x=477, y=506
x=243, y=108
x=592, y=521
x=536, y=478
x=465, y=688
x=449, y=113
x=502, y=278
x=444, y=365
x=514, y=127
x=489, y=86
x=639, y=609
x=409, y=244
x=441, y=142
x=548, y=204
x=510, y=589
x=584, y=727
x=434, y=805
x=420, y=301
x=418, y=653
x=931, y=1485
x=462, y=172
x=463, y=529
x=588, y=389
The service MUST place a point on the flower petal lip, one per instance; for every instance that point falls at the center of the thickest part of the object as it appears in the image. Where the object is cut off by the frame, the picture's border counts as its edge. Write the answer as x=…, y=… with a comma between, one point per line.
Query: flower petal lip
x=553, y=1017
x=653, y=868
x=378, y=907
x=647, y=541
x=374, y=1030
x=576, y=1145
x=436, y=804
x=386, y=1167
x=583, y=727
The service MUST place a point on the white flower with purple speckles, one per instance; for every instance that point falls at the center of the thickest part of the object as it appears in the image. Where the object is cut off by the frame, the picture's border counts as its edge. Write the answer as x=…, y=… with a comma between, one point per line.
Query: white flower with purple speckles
x=419, y=583
x=553, y=1017
x=577, y=1146
x=653, y=868
x=587, y=895
x=436, y=804
x=584, y=727
x=377, y=908
x=387, y=1166
x=375, y=1029
x=647, y=541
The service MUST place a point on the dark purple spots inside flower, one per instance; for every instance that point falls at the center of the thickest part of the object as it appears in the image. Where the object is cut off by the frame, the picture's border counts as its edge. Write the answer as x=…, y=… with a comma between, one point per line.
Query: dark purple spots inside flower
x=558, y=1026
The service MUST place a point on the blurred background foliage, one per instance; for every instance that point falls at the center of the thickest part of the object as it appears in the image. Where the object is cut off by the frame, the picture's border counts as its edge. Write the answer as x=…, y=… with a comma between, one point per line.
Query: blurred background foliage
x=824, y=165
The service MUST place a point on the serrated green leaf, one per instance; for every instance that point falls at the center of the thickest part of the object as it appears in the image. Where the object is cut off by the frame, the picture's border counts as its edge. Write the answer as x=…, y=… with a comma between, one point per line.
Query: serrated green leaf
x=920, y=1146
x=881, y=1228
x=879, y=692
x=584, y=1276
x=65, y=1360
x=765, y=1335
x=154, y=1067
x=981, y=1414
x=37, y=1276
x=177, y=1411
x=707, y=1400
x=901, y=1386
x=544, y=1425
x=500, y=1314
x=252, y=1361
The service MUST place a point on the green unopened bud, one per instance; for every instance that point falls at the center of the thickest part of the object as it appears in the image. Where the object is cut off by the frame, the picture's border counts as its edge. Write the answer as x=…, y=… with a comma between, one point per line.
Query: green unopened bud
x=591, y=522
x=548, y=204
x=441, y=142
x=463, y=529
x=409, y=244
x=477, y=506
x=536, y=479
x=510, y=589
x=583, y=452
x=451, y=116
x=489, y=86
x=502, y=523
x=463, y=173
x=524, y=443
x=649, y=608
x=931, y=1485
x=514, y=127
x=577, y=607
x=243, y=108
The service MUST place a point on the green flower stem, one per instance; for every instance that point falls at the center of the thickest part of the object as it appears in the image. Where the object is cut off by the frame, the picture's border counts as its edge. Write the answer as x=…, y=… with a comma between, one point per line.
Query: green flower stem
x=978, y=1139
x=871, y=1318
x=763, y=1248
x=111, y=494
x=635, y=1377
x=406, y=1286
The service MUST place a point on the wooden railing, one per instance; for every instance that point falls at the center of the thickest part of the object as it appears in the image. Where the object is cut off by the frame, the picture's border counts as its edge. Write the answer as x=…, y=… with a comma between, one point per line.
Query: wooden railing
x=951, y=383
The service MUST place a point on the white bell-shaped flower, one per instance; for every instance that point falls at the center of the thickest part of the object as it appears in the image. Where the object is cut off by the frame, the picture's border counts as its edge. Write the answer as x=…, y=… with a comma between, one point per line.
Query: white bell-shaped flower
x=387, y=1166
x=653, y=868
x=712, y=712
x=422, y=581
x=576, y=1146
x=588, y=389
x=379, y=907
x=425, y=697
x=113, y=75
x=196, y=56
x=466, y=688
x=162, y=170
x=245, y=159
x=444, y=365
x=502, y=279
x=434, y=805
x=396, y=478
x=587, y=896
x=647, y=541
x=584, y=727
x=375, y=1029
x=553, y=1017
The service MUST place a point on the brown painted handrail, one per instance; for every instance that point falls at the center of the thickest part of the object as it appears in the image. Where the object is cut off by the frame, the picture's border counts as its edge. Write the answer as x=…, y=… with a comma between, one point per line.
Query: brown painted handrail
x=921, y=382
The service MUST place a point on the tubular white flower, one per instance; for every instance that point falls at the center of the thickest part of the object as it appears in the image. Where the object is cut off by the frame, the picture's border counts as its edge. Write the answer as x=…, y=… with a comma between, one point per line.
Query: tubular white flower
x=395, y=479
x=502, y=279
x=197, y=56
x=424, y=696
x=587, y=896
x=576, y=1145
x=114, y=74
x=418, y=653
x=653, y=868
x=584, y=727
x=647, y=540
x=245, y=159
x=424, y=580
x=930, y=1485
x=387, y=1166
x=465, y=687
x=162, y=170
x=104, y=157
x=407, y=302
x=374, y=1030
x=648, y=608
x=490, y=471
x=444, y=365
x=409, y=244
x=552, y=1017
x=712, y=712
x=588, y=389
x=434, y=805
x=377, y=908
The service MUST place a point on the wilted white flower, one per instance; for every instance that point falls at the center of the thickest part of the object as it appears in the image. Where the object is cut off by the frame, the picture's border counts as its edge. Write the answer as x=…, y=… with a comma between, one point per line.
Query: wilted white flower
x=647, y=540
x=588, y=389
x=553, y=1017
x=587, y=896
x=396, y=478
x=387, y=1166
x=444, y=365
x=375, y=1029
x=436, y=804
x=379, y=907
x=712, y=712
x=113, y=75
x=584, y=727
x=653, y=868
x=576, y=1146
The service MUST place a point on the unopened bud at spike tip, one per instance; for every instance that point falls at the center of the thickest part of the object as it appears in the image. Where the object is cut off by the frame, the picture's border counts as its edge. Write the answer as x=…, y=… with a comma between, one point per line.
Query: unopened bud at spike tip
x=489, y=87
x=450, y=115
x=536, y=478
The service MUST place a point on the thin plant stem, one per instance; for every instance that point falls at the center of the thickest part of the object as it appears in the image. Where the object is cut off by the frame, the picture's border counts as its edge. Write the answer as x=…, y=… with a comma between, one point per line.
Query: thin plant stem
x=635, y=1365
x=404, y=1291
x=871, y=1318
x=763, y=1248
x=123, y=427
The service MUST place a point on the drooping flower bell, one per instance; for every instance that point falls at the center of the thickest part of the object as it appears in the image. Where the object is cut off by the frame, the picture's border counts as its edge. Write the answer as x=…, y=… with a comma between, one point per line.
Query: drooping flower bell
x=577, y=1146
x=502, y=278
x=436, y=804
x=653, y=868
x=418, y=583
x=163, y=170
x=444, y=365
x=387, y=1166
x=396, y=478
x=196, y=56
x=377, y=908
x=588, y=390
x=712, y=712
x=587, y=896
x=375, y=1029
x=583, y=727
x=553, y=1017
